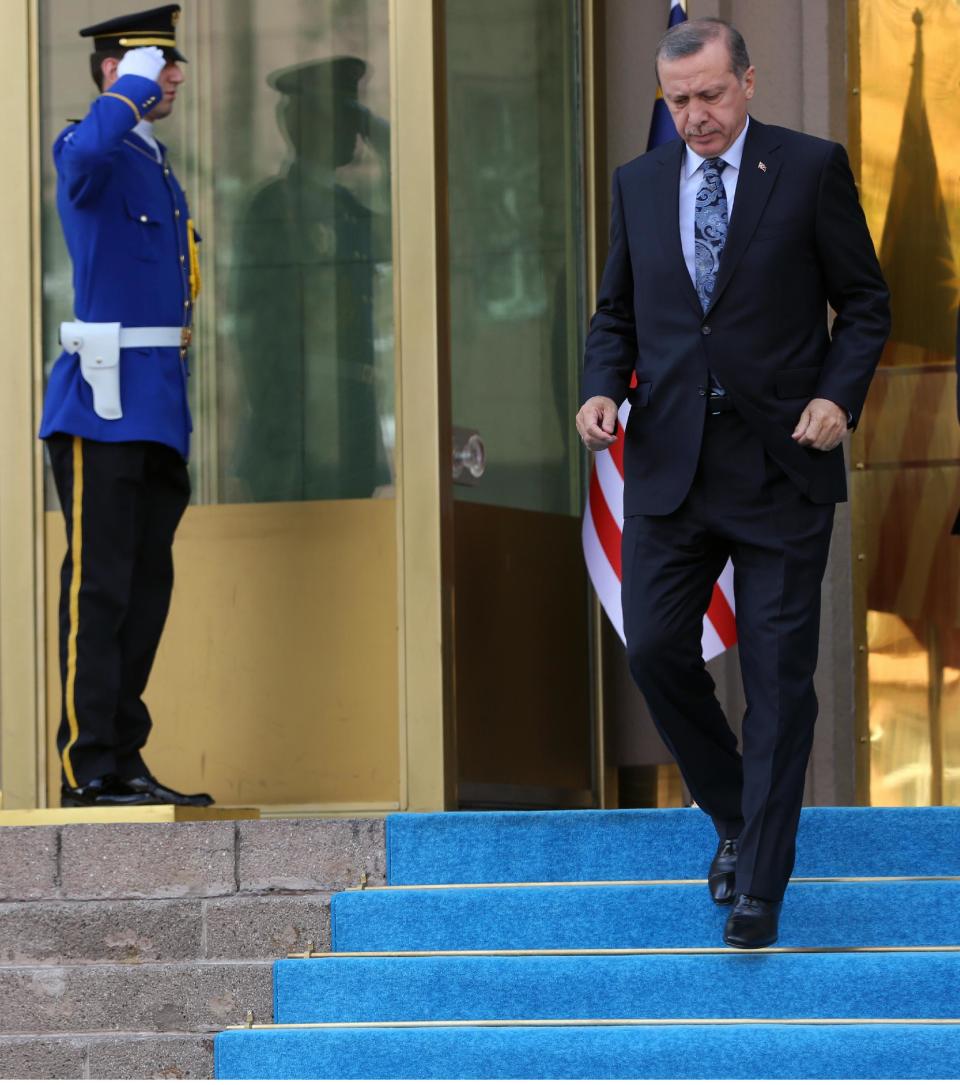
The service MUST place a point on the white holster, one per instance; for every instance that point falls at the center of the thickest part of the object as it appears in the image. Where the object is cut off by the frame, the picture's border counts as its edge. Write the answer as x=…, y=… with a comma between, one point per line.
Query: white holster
x=99, y=348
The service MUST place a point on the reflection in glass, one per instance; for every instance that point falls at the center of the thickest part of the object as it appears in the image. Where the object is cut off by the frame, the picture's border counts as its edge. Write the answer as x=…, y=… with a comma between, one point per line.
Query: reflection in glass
x=908, y=441
x=306, y=255
x=515, y=245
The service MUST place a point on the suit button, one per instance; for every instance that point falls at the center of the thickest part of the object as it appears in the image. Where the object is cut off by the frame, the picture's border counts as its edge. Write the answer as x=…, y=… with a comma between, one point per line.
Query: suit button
x=701, y=391
x=705, y=330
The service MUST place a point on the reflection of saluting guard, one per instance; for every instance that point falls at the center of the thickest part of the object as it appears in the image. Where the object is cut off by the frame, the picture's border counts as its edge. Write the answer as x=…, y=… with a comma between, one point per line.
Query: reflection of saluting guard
x=116, y=418
x=306, y=252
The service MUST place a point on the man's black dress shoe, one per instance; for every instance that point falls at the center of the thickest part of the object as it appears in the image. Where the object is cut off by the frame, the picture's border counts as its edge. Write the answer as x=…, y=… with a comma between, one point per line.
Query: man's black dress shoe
x=722, y=875
x=107, y=790
x=752, y=923
x=147, y=785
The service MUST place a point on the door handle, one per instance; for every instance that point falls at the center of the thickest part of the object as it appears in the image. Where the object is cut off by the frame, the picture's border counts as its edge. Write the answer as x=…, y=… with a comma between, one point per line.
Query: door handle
x=469, y=456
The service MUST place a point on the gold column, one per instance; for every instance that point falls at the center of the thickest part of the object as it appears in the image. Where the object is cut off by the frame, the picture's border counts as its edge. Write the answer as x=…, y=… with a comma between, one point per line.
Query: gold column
x=20, y=453
x=424, y=523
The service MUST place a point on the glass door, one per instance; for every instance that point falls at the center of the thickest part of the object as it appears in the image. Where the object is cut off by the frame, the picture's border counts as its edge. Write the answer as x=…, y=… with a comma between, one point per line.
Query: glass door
x=276, y=683
x=516, y=265
x=906, y=478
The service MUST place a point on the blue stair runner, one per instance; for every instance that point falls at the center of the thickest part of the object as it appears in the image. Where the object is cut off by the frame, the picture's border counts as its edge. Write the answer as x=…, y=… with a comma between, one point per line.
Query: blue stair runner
x=612, y=965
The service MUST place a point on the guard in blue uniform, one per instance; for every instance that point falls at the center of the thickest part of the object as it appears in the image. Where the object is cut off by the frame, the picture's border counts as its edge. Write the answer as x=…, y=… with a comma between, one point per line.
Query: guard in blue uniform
x=116, y=418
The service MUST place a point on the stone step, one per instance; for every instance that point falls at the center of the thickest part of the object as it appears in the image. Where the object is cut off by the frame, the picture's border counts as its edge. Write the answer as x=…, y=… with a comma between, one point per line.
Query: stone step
x=106, y=1056
x=156, y=998
x=238, y=927
x=193, y=859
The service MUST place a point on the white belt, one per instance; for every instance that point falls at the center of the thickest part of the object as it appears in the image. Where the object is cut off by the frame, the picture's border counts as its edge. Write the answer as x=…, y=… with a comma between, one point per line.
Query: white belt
x=151, y=337
x=99, y=347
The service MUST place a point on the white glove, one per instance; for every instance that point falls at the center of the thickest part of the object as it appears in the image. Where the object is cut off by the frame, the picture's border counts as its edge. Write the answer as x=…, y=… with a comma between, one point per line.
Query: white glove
x=148, y=62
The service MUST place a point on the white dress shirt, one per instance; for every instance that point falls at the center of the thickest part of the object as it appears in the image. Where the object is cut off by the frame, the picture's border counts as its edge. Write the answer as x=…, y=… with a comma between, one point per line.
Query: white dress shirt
x=691, y=178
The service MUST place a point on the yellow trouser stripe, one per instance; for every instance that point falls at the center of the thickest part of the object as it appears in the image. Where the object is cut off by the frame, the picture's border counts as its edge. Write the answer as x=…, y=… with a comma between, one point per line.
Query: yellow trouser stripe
x=76, y=546
x=124, y=98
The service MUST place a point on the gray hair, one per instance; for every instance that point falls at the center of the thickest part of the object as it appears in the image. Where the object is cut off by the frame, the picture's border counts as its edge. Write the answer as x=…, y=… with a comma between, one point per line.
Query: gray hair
x=686, y=39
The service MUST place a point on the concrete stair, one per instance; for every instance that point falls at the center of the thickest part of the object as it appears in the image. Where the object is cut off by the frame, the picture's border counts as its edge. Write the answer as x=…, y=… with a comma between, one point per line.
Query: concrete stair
x=124, y=948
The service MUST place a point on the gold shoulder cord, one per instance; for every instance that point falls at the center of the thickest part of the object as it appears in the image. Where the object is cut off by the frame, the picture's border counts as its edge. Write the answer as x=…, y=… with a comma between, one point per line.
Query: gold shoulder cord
x=194, y=260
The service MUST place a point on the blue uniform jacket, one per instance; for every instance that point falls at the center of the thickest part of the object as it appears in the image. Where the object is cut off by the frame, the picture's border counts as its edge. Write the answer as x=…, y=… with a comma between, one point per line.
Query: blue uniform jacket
x=125, y=220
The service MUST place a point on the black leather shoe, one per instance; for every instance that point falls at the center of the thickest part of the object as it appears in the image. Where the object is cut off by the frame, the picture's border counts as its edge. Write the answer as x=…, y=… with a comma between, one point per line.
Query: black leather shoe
x=107, y=790
x=147, y=785
x=752, y=923
x=722, y=875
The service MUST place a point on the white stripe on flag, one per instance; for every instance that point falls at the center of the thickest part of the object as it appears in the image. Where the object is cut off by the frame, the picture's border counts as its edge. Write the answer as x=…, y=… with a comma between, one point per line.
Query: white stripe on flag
x=611, y=484
x=711, y=643
x=605, y=581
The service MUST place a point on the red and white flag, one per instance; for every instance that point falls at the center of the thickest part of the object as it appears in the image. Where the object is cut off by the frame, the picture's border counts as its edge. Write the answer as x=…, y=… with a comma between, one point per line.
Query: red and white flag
x=603, y=519
x=602, y=532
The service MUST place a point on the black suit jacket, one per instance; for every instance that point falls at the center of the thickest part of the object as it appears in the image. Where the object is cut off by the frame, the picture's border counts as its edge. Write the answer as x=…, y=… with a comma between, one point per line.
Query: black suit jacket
x=797, y=241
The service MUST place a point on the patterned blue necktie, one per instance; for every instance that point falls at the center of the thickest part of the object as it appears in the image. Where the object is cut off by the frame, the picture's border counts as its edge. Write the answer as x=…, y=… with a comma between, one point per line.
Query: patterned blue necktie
x=710, y=235
x=709, y=228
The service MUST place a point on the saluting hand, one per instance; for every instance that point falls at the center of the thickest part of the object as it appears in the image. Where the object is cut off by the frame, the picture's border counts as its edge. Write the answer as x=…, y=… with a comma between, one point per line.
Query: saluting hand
x=147, y=61
x=821, y=426
x=597, y=423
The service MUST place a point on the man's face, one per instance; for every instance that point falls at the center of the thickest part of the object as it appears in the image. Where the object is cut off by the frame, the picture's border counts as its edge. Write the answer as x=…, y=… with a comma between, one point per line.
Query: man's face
x=171, y=78
x=707, y=101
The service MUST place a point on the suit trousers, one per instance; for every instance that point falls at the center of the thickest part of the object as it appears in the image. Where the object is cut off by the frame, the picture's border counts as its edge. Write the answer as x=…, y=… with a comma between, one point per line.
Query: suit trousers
x=122, y=503
x=740, y=506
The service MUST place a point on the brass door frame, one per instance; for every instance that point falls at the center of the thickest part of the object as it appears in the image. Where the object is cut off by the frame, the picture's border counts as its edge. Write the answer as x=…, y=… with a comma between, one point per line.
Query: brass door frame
x=424, y=449
x=22, y=702
x=858, y=527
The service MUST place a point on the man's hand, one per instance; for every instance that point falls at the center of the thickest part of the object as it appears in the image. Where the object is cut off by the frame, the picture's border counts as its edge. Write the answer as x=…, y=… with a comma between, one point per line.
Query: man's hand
x=597, y=423
x=821, y=426
x=147, y=61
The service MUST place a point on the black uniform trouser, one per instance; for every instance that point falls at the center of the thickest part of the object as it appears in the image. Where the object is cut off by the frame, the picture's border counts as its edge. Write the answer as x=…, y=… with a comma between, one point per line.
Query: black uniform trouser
x=740, y=506
x=122, y=503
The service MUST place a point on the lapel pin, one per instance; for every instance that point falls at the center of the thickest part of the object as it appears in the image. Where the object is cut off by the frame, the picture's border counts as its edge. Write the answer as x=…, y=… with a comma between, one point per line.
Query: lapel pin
x=762, y=166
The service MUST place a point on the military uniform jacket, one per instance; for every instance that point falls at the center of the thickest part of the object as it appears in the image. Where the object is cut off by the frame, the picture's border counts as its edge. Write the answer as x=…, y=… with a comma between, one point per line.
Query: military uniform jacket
x=126, y=224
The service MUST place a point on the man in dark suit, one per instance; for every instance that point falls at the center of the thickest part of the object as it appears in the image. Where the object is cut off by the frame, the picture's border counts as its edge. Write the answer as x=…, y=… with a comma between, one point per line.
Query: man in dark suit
x=726, y=247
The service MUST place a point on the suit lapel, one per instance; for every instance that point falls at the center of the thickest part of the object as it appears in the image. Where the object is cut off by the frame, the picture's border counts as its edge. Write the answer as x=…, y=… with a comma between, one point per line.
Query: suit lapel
x=667, y=212
x=759, y=167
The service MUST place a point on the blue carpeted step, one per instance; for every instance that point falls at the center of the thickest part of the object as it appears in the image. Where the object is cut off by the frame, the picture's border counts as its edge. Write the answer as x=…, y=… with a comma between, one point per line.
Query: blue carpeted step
x=621, y=845
x=797, y=985
x=605, y=1052
x=921, y=913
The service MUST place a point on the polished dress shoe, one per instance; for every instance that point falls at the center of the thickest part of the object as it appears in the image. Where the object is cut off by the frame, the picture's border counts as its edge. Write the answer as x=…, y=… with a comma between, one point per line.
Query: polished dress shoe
x=722, y=876
x=148, y=785
x=752, y=923
x=106, y=790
